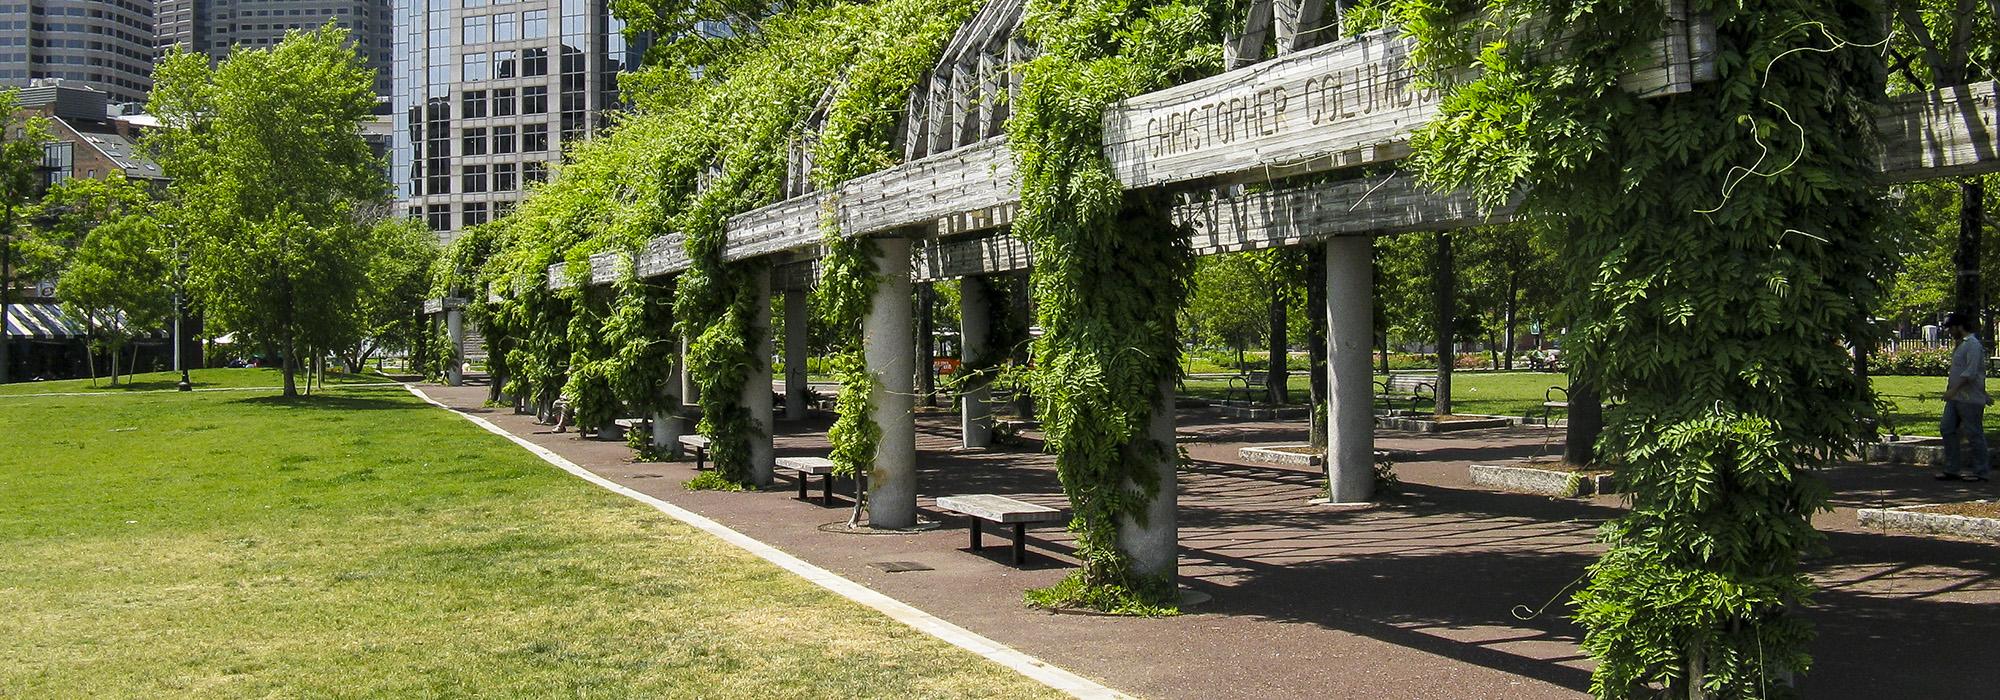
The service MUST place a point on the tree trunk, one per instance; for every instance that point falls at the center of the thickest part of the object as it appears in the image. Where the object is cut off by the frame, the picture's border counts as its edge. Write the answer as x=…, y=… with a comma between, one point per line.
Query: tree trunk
x=113, y=352
x=290, y=364
x=1384, y=340
x=1316, y=343
x=1971, y=223
x=1586, y=421
x=1024, y=403
x=1443, y=280
x=1513, y=306
x=1276, y=390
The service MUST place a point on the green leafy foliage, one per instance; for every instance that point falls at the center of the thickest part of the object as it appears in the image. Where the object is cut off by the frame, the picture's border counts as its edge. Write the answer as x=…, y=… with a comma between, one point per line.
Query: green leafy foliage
x=270, y=173
x=1111, y=269
x=1716, y=285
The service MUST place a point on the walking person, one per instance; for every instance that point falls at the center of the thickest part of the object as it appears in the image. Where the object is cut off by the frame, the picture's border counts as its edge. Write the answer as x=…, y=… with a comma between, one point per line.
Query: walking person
x=1965, y=402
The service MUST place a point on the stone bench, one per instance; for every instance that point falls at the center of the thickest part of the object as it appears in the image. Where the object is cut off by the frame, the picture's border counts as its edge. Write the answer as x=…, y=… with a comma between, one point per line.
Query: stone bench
x=698, y=444
x=1000, y=510
x=808, y=467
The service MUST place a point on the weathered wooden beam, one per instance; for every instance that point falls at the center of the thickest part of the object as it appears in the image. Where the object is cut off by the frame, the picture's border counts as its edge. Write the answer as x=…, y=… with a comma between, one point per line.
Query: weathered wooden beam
x=1263, y=119
x=1230, y=222
x=1943, y=133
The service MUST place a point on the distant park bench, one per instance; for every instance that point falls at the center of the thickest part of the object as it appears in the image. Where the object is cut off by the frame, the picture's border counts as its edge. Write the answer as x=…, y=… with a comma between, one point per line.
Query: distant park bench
x=699, y=445
x=1000, y=510
x=1417, y=389
x=807, y=467
x=1251, y=385
x=1551, y=403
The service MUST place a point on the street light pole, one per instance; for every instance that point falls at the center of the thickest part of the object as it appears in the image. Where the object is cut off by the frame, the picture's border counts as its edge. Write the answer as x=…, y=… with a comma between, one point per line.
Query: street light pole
x=184, y=385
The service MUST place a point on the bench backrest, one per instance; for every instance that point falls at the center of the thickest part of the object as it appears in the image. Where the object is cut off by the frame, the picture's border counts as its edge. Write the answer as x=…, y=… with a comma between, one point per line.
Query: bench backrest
x=1259, y=378
x=1410, y=383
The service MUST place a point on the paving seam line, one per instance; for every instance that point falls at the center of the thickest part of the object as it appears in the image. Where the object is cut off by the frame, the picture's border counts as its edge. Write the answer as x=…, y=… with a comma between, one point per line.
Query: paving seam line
x=1007, y=656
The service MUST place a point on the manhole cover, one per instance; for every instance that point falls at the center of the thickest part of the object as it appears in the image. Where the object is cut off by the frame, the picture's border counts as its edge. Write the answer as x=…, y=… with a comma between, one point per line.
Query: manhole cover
x=897, y=567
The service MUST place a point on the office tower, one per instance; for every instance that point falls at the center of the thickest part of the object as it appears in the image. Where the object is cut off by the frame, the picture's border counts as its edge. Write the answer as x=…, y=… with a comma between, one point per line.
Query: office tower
x=104, y=44
x=213, y=27
x=487, y=94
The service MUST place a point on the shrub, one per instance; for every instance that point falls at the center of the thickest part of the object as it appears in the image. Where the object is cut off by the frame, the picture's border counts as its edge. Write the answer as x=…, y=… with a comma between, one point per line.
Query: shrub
x=1921, y=362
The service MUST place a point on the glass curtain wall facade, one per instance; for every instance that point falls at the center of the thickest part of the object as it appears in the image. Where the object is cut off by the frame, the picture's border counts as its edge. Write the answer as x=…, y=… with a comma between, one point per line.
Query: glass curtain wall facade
x=489, y=92
x=105, y=44
x=213, y=27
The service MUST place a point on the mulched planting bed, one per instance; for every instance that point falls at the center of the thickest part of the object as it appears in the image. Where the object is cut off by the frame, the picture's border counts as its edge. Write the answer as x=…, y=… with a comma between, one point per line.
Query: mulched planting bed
x=1975, y=509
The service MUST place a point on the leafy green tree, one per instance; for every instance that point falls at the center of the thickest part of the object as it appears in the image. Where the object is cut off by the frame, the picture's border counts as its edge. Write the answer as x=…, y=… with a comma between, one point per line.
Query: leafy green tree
x=67, y=214
x=1230, y=302
x=267, y=158
x=389, y=315
x=118, y=284
x=20, y=161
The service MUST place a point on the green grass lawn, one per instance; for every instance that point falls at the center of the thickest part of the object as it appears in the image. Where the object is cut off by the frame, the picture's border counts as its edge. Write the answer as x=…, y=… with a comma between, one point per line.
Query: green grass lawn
x=1916, y=402
x=241, y=378
x=360, y=543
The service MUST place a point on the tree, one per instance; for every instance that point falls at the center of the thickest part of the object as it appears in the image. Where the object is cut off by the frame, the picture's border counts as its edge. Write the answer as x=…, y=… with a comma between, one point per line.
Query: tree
x=267, y=158
x=67, y=214
x=1947, y=43
x=20, y=162
x=396, y=281
x=117, y=283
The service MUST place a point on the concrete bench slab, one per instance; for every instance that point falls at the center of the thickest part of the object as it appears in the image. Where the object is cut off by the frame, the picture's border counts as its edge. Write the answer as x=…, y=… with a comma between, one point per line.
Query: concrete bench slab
x=809, y=467
x=1002, y=510
x=698, y=443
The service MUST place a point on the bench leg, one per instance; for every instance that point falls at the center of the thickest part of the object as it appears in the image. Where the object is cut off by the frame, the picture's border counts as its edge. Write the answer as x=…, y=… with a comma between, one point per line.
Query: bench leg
x=1020, y=542
x=826, y=486
x=975, y=535
x=701, y=459
x=802, y=486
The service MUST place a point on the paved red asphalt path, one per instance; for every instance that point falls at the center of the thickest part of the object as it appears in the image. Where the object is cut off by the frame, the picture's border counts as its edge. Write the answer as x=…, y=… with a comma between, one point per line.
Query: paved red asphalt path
x=1414, y=598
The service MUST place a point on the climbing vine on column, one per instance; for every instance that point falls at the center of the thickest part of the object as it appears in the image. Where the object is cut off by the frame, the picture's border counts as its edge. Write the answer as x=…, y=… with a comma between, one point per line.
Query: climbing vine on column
x=1723, y=241
x=1111, y=270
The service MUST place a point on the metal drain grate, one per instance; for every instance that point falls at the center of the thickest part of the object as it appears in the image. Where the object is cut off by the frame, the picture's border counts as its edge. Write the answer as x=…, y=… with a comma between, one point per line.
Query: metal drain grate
x=897, y=567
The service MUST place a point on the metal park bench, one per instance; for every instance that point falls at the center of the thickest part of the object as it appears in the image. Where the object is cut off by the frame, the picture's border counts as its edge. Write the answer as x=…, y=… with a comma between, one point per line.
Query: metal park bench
x=1000, y=510
x=1417, y=389
x=1251, y=384
x=1551, y=404
x=808, y=467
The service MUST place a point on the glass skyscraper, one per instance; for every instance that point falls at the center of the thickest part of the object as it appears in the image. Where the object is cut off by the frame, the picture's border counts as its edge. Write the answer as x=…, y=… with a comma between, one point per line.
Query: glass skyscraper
x=104, y=44
x=487, y=92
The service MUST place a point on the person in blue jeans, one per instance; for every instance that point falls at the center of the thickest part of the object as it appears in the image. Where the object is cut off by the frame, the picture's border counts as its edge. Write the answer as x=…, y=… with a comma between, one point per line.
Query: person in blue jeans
x=1965, y=401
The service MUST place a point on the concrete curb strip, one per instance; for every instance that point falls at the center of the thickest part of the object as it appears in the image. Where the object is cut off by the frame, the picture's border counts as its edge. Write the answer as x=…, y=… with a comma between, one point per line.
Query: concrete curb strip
x=1908, y=519
x=1029, y=666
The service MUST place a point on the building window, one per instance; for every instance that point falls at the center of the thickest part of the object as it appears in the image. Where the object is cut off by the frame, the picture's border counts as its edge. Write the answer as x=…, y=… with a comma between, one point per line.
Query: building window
x=503, y=178
x=534, y=138
x=503, y=64
x=535, y=99
x=534, y=62
x=535, y=24
x=506, y=27
x=439, y=217
x=474, y=215
x=503, y=140
x=472, y=142
x=534, y=171
x=472, y=180
x=473, y=66
x=473, y=31
x=472, y=104
x=503, y=102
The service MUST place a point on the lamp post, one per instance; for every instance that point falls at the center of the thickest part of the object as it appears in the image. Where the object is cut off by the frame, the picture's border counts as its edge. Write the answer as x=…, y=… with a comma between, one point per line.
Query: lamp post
x=180, y=283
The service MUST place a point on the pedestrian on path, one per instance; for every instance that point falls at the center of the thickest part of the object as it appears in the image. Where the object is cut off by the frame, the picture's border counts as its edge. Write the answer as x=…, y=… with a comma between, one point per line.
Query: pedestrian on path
x=1965, y=402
